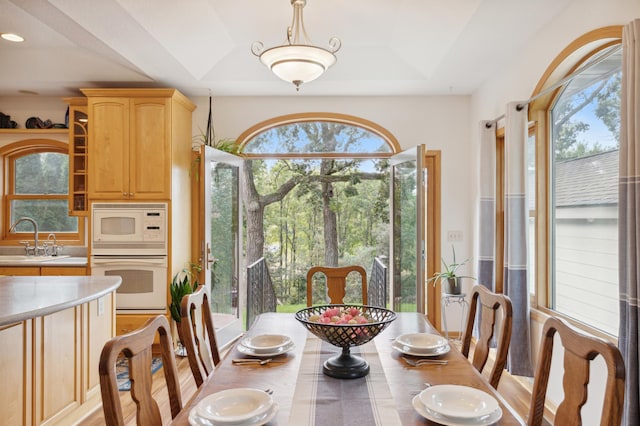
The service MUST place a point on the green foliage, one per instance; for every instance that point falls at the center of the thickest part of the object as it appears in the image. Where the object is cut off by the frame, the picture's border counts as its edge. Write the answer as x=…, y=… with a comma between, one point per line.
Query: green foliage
x=43, y=173
x=450, y=270
x=181, y=285
x=227, y=145
x=294, y=235
x=604, y=97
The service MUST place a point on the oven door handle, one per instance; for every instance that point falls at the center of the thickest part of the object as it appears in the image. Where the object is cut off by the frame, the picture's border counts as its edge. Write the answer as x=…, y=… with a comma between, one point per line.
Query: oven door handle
x=127, y=262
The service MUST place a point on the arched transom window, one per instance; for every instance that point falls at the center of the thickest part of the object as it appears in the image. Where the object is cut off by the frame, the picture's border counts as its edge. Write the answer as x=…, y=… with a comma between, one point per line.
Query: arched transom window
x=317, y=135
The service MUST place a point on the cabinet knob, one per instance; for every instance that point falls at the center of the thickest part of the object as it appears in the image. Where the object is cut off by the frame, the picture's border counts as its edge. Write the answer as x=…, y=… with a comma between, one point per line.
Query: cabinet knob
x=124, y=194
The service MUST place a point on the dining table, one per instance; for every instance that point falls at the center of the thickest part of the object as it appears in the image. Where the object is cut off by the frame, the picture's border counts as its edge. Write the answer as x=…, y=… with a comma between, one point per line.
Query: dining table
x=306, y=396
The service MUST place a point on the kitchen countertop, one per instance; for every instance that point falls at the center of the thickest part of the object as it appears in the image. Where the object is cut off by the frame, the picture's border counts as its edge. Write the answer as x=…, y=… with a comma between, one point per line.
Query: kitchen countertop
x=62, y=261
x=23, y=298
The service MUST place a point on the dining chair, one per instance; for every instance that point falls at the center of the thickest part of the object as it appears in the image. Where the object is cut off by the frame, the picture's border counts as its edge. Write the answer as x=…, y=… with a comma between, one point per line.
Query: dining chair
x=137, y=349
x=199, y=336
x=579, y=350
x=336, y=280
x=490, y=306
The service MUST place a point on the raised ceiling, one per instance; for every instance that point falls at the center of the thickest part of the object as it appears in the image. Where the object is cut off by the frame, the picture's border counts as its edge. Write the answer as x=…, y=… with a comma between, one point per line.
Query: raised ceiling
x=389, y=47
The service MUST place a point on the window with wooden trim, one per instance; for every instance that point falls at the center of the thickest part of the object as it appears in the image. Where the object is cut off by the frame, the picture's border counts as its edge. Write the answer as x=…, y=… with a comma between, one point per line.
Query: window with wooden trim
x=36, y=186
x=576, y=155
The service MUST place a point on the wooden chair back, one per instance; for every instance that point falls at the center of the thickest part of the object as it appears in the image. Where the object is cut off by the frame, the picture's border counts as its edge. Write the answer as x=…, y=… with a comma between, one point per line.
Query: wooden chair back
x=579, y=350
x=198, y=334
x=137, y=349
x=488, y=304
x=336, y=282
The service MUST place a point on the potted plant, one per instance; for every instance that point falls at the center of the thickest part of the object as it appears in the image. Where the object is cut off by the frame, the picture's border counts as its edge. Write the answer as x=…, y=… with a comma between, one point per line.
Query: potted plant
x=451, y=281
x=183, y=283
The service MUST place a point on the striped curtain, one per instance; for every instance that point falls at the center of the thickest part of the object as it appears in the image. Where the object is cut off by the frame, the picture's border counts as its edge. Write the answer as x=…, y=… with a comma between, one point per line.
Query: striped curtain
x=628, y=214
x=487, y=209
x=515, y=237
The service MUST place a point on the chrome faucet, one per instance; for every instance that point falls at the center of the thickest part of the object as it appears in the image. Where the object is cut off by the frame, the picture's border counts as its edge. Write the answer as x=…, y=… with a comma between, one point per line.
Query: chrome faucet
x=55, y=248
x=35, y=231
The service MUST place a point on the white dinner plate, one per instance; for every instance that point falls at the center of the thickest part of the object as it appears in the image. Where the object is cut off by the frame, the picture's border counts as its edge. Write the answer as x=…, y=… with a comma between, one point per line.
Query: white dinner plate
x=195, y=420
x=266, y=342
x=408, y=351
x=234, y=406
x=265, y=354
x=458, y=402
x=422, y=342
x=444, y=420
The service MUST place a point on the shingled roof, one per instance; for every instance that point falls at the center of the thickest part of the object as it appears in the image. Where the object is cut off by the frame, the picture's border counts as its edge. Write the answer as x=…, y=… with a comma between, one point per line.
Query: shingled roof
x=588, y=181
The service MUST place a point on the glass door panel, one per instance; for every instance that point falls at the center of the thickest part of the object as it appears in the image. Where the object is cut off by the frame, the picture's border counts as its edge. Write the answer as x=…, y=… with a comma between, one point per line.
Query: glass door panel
x=408, y=231
x=223, y=236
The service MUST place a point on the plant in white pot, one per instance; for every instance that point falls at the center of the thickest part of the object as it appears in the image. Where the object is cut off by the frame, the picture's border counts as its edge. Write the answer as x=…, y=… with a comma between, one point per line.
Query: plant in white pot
x=451, y=281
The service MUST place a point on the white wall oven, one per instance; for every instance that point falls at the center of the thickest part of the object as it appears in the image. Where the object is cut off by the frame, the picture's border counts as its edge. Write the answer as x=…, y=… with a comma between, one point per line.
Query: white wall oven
x=130, y=240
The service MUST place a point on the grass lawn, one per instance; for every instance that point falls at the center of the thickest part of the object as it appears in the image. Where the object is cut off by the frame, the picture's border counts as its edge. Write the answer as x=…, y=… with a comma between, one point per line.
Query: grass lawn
x=290, y=308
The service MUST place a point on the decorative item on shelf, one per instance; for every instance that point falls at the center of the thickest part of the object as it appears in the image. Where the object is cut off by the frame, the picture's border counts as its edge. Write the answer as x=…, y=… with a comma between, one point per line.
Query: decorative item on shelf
x=451, y=281
x=298, y=60
x=183, y=283
x=6, y=122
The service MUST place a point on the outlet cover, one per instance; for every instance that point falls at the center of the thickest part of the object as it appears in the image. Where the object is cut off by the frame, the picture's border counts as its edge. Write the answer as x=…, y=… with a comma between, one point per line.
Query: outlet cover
x=454, y=236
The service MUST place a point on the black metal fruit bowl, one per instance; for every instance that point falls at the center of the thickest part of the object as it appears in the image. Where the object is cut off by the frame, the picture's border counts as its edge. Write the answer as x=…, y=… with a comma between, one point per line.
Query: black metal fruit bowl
x=346, y=365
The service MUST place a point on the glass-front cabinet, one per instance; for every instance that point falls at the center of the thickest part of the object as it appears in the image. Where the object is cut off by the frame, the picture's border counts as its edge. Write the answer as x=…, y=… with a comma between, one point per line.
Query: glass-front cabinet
x=78, y=138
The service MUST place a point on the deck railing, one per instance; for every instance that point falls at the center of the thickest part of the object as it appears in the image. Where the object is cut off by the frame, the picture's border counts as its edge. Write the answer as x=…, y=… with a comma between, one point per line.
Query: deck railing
x=377, y=286
x=261, y=296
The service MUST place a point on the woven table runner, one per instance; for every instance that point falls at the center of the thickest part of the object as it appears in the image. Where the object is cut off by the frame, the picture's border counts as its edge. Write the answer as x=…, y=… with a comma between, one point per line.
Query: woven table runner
x=322, y=400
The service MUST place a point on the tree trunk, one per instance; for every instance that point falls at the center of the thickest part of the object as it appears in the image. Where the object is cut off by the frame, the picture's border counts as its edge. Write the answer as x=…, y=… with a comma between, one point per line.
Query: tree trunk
x=254, y=207
x=329, y=218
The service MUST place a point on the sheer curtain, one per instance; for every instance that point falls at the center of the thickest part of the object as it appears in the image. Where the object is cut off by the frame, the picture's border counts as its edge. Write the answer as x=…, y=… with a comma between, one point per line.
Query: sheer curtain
x=515, y=237
x=628, y=215
x=487, y=208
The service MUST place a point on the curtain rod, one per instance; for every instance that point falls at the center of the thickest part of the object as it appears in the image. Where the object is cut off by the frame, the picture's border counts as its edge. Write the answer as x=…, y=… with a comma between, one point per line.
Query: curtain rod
x=558, y=84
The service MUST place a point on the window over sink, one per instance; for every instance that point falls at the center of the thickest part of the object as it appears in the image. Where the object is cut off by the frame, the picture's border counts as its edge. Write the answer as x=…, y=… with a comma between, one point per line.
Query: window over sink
x=37, y=186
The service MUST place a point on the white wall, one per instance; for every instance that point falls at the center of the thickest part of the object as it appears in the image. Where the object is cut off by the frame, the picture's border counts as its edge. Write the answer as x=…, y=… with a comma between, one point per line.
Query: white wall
x=22, y=107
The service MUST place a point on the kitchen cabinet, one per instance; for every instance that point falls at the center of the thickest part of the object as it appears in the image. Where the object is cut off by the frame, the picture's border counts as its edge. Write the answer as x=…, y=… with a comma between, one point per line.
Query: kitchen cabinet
x=136, y=137
x=78, y=141
x=126, y=323
x=19, y=270
x=63, y=270
x=50, y=361
x=44, y=270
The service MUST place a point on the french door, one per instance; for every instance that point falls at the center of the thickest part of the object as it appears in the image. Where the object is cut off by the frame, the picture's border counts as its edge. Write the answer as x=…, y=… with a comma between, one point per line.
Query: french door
x=222, y=251
x=410, y=241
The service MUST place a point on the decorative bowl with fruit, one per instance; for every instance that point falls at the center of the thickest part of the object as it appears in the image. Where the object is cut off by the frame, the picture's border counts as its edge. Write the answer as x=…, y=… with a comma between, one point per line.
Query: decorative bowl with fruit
x=345, y=326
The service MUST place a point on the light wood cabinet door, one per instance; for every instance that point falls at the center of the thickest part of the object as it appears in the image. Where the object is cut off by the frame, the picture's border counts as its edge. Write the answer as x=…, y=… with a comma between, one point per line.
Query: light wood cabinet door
x=150, y=148
x=19, y=270
x=16, y=359
x=108, y=148
x=63, y=270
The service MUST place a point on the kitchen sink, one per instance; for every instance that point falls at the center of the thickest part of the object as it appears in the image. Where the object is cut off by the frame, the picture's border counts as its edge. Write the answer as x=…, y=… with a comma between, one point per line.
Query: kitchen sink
x=10, y=258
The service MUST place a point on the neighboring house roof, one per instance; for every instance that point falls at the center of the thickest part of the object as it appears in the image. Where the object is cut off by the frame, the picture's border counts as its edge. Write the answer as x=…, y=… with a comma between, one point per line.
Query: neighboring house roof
x=587, y=181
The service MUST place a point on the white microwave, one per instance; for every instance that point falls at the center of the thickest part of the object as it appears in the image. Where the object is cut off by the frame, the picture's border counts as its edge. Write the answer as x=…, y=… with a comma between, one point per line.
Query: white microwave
x=129, y=228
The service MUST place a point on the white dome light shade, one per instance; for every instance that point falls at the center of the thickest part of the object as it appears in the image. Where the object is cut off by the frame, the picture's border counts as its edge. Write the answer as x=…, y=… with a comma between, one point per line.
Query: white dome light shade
x=297, y=63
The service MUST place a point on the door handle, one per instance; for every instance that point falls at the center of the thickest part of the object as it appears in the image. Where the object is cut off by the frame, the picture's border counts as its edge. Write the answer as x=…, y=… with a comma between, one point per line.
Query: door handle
x=210, y=259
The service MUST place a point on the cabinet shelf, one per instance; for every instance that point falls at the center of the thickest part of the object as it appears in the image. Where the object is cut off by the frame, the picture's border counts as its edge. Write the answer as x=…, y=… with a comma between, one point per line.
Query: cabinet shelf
x=78, y=139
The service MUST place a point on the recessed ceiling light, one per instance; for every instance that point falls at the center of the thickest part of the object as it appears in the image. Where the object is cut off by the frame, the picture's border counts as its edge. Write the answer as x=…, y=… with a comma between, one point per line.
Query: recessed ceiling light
x=12, y=37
